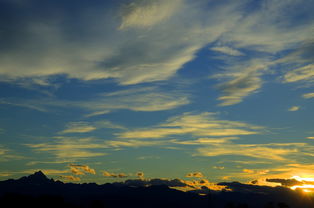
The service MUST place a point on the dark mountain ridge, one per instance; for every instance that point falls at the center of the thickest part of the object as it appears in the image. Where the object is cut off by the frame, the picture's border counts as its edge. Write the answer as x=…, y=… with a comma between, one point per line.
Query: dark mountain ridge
x=37, y=190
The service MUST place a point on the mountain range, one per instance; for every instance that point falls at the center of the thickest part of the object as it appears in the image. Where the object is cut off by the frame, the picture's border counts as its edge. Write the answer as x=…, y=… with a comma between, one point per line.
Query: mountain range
x=36, y=190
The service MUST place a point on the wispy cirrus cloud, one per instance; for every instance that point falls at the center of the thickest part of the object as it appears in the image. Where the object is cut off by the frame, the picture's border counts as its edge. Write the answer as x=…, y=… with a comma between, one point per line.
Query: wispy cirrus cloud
x=204, y=124
x=143, y=14
x=146, y=99
x=8, y=154
x=308, y=95
x=271, y=151
x=242, y=80
x=70, y=148
x=140, y=47
x=304, y=73
x=227, y=50
x=78, y=127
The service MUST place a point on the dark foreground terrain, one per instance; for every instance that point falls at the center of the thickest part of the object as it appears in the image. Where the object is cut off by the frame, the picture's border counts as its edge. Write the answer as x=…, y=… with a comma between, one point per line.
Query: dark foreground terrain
x=37, y=190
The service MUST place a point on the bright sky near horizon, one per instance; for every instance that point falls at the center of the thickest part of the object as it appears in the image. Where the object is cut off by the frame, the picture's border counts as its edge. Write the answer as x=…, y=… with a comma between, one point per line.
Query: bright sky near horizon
x=101, y=91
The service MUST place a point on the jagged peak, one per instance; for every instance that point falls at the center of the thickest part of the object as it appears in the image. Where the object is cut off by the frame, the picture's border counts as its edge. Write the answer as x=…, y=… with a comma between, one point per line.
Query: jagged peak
x=37, y=177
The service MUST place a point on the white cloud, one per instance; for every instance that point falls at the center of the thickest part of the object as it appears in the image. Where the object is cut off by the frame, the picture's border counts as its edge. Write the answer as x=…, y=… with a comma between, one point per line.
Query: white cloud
x=272, y=27
x=145, y=13
x=78, y=127
x=70, y=148
x=305, y=73
x=261, y=151
x=204, y=124
x=294, y=108
x=308, y=95
x=135, y=99
x=243, y=80
x=227, y=50
x=144, y=48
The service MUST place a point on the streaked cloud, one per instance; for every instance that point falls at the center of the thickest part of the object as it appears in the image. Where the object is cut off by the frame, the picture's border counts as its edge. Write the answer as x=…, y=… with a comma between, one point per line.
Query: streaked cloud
x=294, y=108
x=114, y=175
x=7, y=154
x=308, y=95
x=144, y=13
x=146, y=99
x=273, y=26
x=78, y=127
x=305, y=73
x=140, y=47
x=284, y=182
x=243, y=80
x=219, y=167
x=70, y=148
x=227, y=50
x=81, y=169
x=70, y=178
x=273, y=151
x=204, y=124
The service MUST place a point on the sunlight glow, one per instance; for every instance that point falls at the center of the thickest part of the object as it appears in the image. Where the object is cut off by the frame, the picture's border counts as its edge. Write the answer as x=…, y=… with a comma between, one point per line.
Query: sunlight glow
x=306, y=187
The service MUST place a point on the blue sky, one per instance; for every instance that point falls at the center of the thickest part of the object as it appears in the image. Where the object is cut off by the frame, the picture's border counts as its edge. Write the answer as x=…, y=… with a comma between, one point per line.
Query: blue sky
x=107, y=90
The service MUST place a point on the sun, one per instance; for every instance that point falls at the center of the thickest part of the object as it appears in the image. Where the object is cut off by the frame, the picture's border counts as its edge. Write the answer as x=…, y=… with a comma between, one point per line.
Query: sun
x=307, y=186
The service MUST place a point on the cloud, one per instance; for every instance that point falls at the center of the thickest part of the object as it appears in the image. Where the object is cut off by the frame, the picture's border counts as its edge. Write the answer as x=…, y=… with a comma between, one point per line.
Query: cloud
x=78, y=127
x=140, y=175
x=81, y=169
x=138, y=99
x=273, y=26
x=85, y=127
x=146, y=99
x=70, y=148
x=305, y=73
x=132, y=143
x=129, y=42
x=204, y=124
x=227, y=50
x=242, y=80
x=272, y=151
x=195, y=175
x=308, y=95
x=114, y=175
x=294, y=108
x=284, y=182
x=70, y=178
x=7, y=154
x=205, y=141
x=153, y=182
x=145, y=13
x=248, y=171
x=219, y=167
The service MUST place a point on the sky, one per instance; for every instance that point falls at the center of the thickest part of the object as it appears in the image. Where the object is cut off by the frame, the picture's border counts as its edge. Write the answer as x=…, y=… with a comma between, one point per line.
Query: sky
x=104, y=91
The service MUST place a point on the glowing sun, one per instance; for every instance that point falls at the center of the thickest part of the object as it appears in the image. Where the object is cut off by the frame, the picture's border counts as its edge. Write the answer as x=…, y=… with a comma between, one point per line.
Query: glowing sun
x=307, y=186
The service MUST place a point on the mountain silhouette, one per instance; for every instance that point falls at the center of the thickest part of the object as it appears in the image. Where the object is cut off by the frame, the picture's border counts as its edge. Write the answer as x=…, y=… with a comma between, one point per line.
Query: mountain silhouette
x=38, y=178
x=37, y=191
